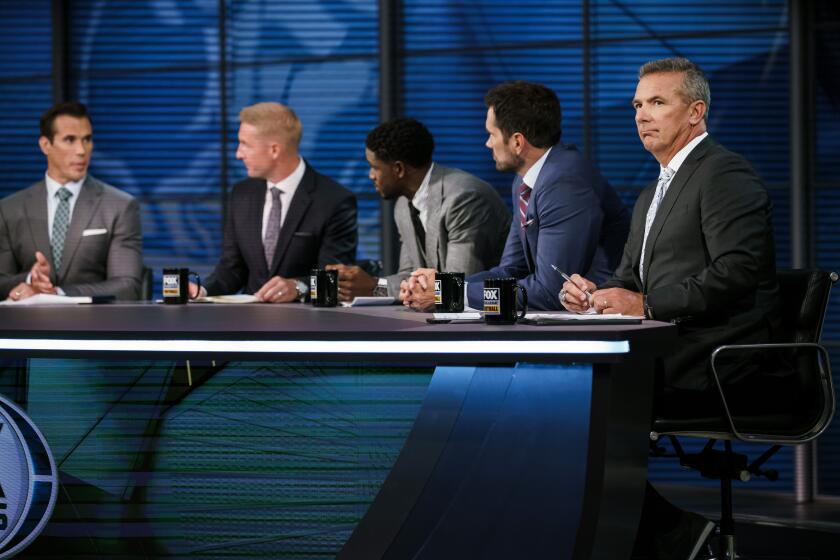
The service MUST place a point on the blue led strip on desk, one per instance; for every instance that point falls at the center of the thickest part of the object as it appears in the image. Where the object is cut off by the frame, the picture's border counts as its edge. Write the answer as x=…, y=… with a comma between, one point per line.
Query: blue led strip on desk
x=451, y=347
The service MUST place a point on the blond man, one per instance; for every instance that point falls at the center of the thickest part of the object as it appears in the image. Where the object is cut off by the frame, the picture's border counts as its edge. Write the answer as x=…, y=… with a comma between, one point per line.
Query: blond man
x=285, y=218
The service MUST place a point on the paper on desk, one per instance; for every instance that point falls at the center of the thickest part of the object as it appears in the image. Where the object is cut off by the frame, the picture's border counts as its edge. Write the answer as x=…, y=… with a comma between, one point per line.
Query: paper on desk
x=363, y=301
x=48, y=299
x=566, y=316
x=232, y=298
x=466, y=315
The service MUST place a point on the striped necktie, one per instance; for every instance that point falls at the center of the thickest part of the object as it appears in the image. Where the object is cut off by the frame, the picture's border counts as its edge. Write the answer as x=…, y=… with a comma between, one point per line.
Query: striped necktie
x=665, y=175
x=61, y=221
x=524, y=197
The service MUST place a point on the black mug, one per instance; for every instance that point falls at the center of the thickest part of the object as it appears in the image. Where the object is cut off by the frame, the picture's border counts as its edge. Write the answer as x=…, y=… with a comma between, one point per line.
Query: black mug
x=449, y=292
x=176, y=285
x=323, y=287
x=500, y=301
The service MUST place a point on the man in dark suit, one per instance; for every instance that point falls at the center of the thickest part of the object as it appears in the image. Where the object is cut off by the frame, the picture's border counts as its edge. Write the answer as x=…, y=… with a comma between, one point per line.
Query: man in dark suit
x=285, y=219
x=447, y=219
x=700, y=253
x=69, y=234
x=565, y=213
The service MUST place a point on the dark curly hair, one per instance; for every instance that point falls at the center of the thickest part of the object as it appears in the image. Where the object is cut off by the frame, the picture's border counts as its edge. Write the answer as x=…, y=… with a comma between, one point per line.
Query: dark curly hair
x=528, y=108
x=70, y=108
x=405, y=140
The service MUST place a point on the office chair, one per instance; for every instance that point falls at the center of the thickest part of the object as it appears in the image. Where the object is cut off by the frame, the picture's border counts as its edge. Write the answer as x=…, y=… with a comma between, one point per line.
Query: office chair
x=804, y=298
x=371, y=266
x=146, y=283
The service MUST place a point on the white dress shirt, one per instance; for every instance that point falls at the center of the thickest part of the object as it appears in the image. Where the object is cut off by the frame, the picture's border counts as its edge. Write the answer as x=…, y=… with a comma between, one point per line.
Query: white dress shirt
x=533, y=174
x=678, y=159
x=421, y=197
x=287, y=187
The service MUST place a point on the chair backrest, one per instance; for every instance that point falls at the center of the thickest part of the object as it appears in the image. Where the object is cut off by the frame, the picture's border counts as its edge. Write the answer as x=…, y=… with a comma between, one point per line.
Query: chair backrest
x=804, y=297
x=371, y=266
x=804, y=300
x=146, y=284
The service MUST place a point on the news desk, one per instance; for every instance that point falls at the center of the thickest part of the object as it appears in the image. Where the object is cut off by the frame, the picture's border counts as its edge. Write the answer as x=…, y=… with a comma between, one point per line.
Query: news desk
x=287, y=431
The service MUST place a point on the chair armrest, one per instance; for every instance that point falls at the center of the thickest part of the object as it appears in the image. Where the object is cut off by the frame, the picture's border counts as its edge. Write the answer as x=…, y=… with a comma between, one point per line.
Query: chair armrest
x=825, y=376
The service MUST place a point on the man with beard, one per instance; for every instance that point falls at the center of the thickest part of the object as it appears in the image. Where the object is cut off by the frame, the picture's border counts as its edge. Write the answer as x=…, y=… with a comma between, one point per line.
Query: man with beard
x=565, y=213
x=447, y=219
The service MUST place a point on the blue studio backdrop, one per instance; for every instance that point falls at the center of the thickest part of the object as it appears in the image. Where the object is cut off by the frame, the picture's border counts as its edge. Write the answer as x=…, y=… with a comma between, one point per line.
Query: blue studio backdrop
x=164, y=82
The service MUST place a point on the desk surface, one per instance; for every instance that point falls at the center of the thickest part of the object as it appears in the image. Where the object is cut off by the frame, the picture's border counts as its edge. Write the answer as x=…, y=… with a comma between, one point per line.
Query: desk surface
x=295, y=321
x=303, y=331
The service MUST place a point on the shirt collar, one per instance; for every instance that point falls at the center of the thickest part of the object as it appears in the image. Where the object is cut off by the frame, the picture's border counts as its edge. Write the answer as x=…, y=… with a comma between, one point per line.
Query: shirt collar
x=678, y=159
x=291, y=181
x=73, y=186
x=421, y=197
x=532, y=174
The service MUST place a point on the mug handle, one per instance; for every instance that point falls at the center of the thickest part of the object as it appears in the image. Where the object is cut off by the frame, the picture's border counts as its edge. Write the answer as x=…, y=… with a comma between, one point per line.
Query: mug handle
x=197, y=283
x=524, y=302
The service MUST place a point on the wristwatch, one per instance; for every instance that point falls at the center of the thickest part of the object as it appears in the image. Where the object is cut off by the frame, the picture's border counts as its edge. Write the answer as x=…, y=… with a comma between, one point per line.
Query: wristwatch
x=381, y=289
x=648, y=308
x=302, y=289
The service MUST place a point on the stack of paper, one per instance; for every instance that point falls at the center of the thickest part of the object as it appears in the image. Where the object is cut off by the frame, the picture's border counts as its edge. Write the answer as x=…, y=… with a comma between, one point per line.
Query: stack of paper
x=48, y=299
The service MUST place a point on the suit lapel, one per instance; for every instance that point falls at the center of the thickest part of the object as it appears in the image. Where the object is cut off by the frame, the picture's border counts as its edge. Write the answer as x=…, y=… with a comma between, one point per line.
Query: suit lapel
x=37, y=218
x=433, y=207
x=253, y=236
x=90, y=196
x=678, y=183
x=644, y=199
x=530, y=233
x=297, y=211
x=408, y=237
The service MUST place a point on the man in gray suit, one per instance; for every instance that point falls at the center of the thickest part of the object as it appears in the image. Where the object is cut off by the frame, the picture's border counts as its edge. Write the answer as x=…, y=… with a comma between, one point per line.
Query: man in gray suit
x=447, y=219
x=69, y=234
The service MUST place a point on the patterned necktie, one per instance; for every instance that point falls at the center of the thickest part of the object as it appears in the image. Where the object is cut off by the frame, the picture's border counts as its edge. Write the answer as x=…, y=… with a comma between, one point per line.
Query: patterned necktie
x=61, y=221
x=665, y=175
x=524, y=197
x=272, y=230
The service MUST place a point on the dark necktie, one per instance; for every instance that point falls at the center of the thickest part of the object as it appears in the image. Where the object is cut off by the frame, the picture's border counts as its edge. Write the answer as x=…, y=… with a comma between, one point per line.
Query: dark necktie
x=524, y=197
x=272, y=230
x=61, y=221
x=419, y=230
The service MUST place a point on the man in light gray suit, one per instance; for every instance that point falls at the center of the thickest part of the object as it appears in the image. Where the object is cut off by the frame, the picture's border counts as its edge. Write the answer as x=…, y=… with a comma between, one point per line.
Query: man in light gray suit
x=69, y=234
x=447, y=219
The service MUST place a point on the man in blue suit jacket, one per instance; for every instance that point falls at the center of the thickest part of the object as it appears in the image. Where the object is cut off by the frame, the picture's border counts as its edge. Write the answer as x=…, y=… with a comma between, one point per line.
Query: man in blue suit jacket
x=566, y=214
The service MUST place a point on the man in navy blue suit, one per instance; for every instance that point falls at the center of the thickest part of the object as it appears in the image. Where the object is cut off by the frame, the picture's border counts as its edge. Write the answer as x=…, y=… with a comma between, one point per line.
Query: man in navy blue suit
x=565, y=212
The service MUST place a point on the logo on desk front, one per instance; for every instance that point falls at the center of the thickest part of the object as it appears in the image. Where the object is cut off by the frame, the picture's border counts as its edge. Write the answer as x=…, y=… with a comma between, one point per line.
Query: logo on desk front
x=491, y=301
x=171, y=285
x=28, y=480
x=438, y=293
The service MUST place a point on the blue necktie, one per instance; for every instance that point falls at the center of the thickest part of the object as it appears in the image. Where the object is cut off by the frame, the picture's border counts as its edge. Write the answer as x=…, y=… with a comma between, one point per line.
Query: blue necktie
x=61, y=222
x=665, y=175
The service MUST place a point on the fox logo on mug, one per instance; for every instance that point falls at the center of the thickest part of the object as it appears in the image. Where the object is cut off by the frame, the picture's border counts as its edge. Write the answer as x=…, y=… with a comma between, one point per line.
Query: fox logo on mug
x=491, y=301
x=171, y=285
x=28, y=480
x=438, y=292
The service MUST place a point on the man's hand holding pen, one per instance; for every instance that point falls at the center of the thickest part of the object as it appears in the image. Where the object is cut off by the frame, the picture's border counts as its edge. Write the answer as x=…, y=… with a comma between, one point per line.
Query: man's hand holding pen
x=579, y=294
x=576, y=294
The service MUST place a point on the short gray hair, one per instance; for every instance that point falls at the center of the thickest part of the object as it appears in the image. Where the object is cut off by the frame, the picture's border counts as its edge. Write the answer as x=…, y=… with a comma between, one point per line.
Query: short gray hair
x=695, y=83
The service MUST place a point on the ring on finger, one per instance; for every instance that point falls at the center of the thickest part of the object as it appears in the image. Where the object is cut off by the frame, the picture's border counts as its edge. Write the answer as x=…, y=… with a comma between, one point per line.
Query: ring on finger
x=562, y=295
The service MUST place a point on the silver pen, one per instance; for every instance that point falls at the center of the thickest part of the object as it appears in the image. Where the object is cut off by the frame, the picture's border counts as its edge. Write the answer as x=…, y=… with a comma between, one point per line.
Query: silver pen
x=569, y=279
